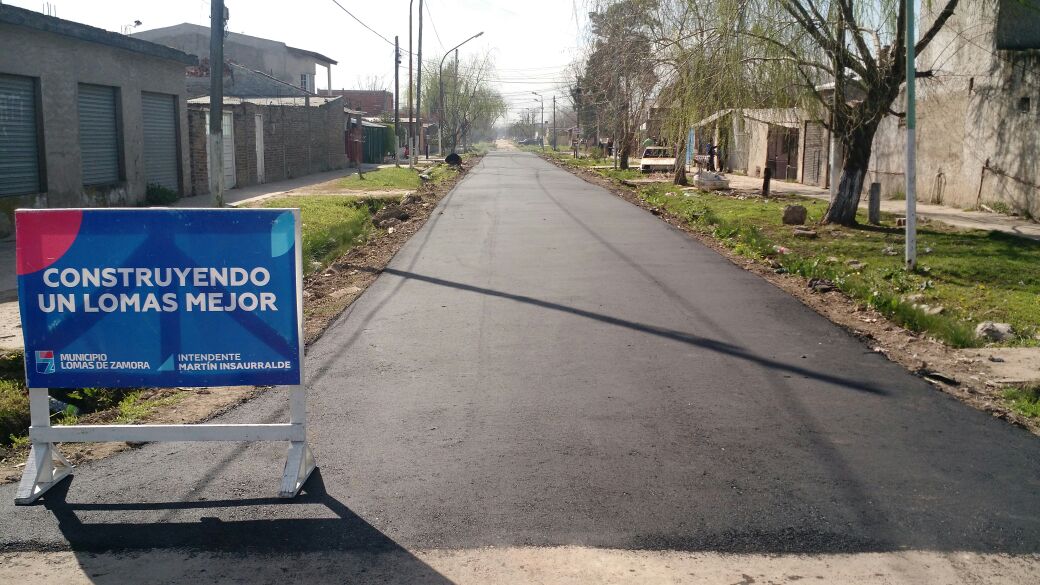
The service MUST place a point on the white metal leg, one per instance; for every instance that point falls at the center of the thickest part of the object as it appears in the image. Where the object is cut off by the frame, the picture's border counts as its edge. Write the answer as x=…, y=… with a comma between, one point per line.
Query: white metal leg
x=46, y=466
x=299, y=463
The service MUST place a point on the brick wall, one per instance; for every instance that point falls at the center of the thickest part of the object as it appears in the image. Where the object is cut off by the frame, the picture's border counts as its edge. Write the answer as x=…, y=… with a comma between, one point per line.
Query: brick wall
x=298, y=141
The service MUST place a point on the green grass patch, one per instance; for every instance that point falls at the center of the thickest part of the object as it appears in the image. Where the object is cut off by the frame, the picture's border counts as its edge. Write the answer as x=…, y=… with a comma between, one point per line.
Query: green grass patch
x=1025, y=401
x=973, y=275
x=441, y=173
x=384, y=179
x=332, y=226
x=133, y=408
x=14, y=398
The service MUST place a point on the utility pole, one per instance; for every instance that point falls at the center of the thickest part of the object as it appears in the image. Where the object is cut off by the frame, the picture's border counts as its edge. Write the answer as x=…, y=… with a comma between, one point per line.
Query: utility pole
x=418, y=87
x=554, y=124
x=217, y=20
x=397, y=101
x=911, y=143
x=411, y=110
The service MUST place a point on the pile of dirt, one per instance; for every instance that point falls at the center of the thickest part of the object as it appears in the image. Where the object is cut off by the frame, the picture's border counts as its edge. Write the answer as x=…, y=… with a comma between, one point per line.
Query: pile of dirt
x=948, y=369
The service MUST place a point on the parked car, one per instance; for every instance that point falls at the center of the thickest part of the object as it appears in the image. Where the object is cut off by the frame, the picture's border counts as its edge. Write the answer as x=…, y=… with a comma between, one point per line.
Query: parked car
x=657, y=159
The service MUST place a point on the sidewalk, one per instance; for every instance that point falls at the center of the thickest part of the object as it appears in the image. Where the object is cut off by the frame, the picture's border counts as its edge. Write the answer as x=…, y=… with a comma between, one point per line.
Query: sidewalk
x=949, y=215
x=245, y=194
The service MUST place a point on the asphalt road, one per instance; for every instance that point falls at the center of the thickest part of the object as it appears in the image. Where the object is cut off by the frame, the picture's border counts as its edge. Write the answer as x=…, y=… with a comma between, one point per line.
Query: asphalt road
x=546, y=365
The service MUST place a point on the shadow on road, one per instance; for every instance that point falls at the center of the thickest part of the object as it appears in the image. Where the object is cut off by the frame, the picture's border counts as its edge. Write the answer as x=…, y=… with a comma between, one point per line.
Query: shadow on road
x=347, y=544
x=675, y=335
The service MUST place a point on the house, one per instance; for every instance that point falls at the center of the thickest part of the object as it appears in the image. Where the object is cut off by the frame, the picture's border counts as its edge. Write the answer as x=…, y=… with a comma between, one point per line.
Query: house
x=87, y=117
x=375, y=103
x=269, y=139
x=752, y=140
x=978, y=112
x=290, y=65
x=240, y=81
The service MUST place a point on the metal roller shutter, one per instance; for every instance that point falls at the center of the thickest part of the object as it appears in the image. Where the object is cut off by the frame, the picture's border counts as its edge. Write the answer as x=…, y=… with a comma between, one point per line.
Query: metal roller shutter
x=98, y=134
x=19, y=153
x=815, y=158
x=159, y=115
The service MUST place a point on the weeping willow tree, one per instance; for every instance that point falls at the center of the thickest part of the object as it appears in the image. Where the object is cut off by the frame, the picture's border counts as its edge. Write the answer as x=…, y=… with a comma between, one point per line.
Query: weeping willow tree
x=471, y=106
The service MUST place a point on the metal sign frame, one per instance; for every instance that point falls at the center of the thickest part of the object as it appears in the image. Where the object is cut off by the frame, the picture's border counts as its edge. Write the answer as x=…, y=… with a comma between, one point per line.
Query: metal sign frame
x=46, y=466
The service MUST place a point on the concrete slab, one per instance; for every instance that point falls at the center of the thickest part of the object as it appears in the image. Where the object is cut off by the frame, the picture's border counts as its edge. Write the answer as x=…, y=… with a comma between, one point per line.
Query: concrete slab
x=1007, y=365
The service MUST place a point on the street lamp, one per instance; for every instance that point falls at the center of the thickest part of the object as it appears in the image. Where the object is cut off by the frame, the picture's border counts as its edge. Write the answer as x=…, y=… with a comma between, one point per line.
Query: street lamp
x=542, y=127
x=440, y=83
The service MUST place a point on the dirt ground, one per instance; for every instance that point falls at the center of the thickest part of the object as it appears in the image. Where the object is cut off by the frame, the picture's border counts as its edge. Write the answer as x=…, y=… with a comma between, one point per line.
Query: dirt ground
x=969, y=375
x=326, y=295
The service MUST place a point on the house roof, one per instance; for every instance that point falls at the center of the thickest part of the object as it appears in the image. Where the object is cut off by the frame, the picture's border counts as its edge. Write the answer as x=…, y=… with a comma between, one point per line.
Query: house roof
x=789, y=117
x=204, y=30
x=313, y=101
x=51, y=24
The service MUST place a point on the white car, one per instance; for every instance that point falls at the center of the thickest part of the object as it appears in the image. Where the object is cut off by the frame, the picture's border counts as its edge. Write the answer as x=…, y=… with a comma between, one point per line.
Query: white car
x=657, y=159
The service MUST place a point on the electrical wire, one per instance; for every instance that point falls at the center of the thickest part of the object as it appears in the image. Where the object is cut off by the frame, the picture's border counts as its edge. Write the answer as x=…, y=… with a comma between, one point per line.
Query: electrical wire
x=372, y=30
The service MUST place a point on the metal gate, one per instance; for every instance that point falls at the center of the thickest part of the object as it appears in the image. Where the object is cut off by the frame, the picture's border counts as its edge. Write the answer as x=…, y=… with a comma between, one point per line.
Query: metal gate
x=814, y=160
x=98, y=134
x=19, y=154
x=782, y=152
x=227, y=130
x=159, y=114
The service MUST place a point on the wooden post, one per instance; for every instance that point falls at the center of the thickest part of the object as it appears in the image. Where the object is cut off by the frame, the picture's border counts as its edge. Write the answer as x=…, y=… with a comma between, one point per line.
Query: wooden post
x=874, y=204
x=766, y=177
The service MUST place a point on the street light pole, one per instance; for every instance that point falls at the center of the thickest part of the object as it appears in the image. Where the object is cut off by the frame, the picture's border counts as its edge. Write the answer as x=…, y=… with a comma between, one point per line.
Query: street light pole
x=541, y=127
x=554, y=124
x=411, y=110
x=440, y=80
x=418, y=88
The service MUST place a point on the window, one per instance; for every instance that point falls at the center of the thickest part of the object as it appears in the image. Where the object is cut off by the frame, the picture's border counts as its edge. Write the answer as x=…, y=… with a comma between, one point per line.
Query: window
x=99, y=137
x=20, y=168
x=1024, y=105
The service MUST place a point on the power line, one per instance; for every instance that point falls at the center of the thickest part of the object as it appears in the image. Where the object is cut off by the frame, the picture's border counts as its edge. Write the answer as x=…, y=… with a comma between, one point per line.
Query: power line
x=372, y=30
x=434, y=25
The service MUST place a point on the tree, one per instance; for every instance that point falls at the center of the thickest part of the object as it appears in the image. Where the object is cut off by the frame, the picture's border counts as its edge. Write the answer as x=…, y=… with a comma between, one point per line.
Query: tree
x=471, y=105
x=870, y=60
x=620, y=74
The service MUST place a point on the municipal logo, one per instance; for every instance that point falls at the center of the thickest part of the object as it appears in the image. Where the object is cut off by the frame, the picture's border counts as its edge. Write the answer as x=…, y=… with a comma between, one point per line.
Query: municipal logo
x=45, y=362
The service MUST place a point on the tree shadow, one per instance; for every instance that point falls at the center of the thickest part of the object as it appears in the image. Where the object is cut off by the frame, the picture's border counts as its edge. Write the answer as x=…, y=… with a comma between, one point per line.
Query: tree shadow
x=220, y=543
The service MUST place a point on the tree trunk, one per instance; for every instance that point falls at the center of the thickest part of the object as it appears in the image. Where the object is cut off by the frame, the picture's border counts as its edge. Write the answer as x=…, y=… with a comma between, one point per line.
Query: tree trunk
x=842, y=210
x=623, y=155
x=680, y=164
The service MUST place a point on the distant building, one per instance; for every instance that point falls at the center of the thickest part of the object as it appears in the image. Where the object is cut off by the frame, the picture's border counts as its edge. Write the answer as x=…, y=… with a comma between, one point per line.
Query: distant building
x=87, y=117
x=374, y=103
x=290, y=65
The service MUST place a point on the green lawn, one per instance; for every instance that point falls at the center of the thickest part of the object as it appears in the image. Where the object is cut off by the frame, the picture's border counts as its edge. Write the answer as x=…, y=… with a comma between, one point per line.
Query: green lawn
x=332, y=225
x=973, y=275
x=385, y=179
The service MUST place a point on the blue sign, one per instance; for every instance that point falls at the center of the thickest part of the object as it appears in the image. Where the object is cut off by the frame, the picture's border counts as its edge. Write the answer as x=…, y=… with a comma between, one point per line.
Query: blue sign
x=117, y=298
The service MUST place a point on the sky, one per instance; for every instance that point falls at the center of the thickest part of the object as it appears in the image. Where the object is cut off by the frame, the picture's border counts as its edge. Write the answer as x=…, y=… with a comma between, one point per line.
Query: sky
x=532, y=41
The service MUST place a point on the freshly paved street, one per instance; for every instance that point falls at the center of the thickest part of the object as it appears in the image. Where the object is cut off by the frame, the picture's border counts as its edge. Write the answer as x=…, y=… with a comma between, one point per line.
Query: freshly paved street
x=546, y=365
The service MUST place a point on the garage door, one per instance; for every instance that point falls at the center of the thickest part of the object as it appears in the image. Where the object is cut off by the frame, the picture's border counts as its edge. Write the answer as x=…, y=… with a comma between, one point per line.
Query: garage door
x=159, y=114
x=98, y=134
x=19, y=155
x=815, y=158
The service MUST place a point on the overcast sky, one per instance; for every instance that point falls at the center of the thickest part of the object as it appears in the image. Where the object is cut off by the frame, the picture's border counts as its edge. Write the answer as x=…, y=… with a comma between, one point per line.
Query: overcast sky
x=532, y=41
